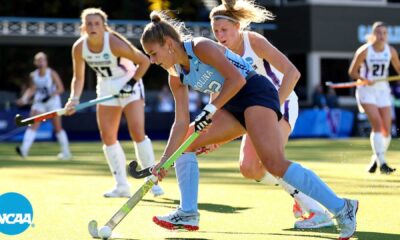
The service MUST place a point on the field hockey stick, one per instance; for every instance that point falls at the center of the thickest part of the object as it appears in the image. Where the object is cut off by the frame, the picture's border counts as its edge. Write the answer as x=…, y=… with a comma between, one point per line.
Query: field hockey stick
x=359, y=82
x=132, y=168
x=141, y=192
x=59, y=112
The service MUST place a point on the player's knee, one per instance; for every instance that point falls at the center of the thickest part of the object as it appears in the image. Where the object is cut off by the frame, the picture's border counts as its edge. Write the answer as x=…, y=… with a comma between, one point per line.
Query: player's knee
x=108, y=138
x=250, y=170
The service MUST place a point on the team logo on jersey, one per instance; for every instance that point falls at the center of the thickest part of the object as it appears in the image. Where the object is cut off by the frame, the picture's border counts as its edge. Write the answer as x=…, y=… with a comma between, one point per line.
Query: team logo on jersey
x=16, y=213
x=249, y=60
x=106, y=56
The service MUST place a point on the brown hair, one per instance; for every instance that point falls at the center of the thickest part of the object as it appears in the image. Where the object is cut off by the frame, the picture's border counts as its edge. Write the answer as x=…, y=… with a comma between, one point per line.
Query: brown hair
x=104, y=17
x=242, y=11
x=162, y=26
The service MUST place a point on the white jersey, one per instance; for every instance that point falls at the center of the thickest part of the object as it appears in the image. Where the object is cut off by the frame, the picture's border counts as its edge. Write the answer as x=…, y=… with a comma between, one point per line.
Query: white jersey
x=290, y=108
x=44, y=85
x=376, y=66
x=113, y=71
x=261, y=65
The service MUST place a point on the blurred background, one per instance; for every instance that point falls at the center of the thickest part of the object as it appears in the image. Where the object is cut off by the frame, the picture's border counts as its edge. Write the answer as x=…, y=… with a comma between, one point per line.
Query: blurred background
x=318, y=36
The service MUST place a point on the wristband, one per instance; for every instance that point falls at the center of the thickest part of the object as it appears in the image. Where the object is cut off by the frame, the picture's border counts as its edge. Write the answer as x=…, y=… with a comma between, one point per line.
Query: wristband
x=211, y=108
x=74, y=99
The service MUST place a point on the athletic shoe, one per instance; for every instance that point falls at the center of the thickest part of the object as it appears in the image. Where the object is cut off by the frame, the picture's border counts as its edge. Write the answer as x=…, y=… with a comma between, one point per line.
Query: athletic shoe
x=385, y=169
x=20, y=152
x=297, y=210
x=64, y=156
x=157, y=191
x=119, y=192
x=346, y=219
x=314, y=220
x=178, y=219
x=373, y=165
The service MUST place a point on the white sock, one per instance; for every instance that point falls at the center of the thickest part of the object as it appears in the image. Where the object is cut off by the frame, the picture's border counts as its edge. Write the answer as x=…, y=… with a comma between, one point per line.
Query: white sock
x=29, y=137
x=268, y=179
x=378, y=147
x=144, y=153
x=63, y=140
x=116, y=161
x=306, y=203
x=386, y=142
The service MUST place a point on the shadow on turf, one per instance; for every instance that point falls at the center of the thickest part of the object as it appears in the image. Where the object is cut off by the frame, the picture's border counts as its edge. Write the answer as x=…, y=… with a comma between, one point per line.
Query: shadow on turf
x=359, y=234
x=211, y=207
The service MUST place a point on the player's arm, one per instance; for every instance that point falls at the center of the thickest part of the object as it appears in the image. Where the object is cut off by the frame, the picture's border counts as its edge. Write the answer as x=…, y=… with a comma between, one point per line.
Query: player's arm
x=265, y=50
x=28, y=93
x=78, y=77
x=179, y=128
x=122, y=49
x=395, y=60
x=213, y=54
x=359, y=58
x=57, y=81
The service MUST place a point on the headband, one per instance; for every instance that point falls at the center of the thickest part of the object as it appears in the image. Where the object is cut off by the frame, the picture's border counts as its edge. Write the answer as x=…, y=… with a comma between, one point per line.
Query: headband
x=225, y=17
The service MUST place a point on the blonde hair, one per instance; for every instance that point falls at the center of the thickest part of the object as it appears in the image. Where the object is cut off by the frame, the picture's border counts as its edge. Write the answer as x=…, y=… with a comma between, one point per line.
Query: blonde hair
x=371, y=36
x=162, y=26
x=40, y=55
x=104, y=17
x=242, y=11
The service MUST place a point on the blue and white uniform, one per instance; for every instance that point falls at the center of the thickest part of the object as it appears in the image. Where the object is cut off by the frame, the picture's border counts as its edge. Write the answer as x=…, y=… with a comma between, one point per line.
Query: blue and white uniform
x=290, y=108
x=112, y=73
x=375, y=66
x=45, y=87
x=205, y=78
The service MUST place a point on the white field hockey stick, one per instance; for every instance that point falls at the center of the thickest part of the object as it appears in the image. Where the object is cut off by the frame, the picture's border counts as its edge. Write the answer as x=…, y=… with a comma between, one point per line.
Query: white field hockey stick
x=141, y=192
x=360, y=82
x=59, y=112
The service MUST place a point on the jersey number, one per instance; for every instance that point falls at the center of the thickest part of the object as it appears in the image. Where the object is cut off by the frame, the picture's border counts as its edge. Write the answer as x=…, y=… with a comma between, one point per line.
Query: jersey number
x=213, y=87
x=378, y=69
x=103, y=71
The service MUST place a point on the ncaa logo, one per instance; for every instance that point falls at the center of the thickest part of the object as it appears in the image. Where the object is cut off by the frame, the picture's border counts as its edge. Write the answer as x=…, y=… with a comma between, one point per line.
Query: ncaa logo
x=249, y=60
x=106, y=56
x=16, y=213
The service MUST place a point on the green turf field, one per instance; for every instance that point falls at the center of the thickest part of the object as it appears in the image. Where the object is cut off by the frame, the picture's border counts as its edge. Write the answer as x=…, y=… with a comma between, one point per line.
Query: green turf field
x=67, y=195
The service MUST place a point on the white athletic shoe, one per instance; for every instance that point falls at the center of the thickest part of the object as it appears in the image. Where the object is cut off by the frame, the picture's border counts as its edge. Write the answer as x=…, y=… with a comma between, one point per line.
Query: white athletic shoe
x=298, y=212
x=346, y=219
x=64, y=156
x=157, y=191
x=178, y=219
x=314, y=220
x=119, y=192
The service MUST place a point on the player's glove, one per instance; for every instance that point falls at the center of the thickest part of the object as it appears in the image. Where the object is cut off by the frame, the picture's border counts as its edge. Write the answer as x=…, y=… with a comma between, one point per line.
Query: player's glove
x=127, y=90
x=204, y=118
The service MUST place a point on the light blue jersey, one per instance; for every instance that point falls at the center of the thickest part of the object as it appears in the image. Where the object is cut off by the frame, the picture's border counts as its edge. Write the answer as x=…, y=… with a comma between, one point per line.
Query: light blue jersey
x=205, y=78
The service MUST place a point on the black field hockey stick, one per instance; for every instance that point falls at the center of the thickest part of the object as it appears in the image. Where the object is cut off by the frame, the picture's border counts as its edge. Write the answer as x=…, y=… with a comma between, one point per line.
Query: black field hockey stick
x=132, y=170
x=59, y=112
x=141, y=192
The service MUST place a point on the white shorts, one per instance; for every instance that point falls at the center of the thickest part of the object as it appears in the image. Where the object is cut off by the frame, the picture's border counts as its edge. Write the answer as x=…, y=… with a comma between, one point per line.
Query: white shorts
x=371, y=95
x=54, y=103
x=138, y=93
x=290, y=109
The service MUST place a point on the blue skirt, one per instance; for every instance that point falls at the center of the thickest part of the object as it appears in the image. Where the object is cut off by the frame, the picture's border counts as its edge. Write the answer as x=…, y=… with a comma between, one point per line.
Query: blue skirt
x=258, y=91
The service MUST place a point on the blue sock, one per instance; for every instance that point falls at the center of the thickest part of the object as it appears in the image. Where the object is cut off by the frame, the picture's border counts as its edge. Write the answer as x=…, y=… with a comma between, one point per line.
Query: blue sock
x=187, y=173
x=310, y=184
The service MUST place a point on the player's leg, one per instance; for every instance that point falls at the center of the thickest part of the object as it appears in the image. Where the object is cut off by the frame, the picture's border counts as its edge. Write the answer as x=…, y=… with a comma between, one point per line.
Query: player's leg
x=108, y=119
x=62, y=138
x=224, y=127
x=376, y=137
x=386, y=116
x=135, y=116
x=53, y=104
x=30, y=133
x=267, y=141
